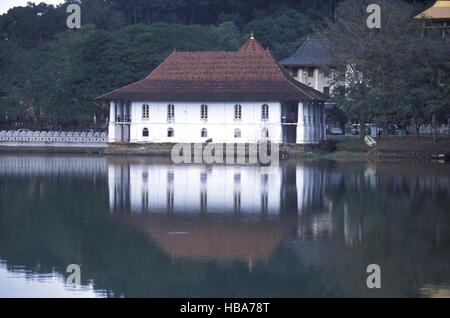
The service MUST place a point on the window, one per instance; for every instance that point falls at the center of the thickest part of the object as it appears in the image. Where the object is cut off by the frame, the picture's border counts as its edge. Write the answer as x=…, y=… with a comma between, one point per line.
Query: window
x=265, y=133
x=310, y=71
x=295, y=72
x=170, y=113
x=145, y=132
x=237, y=112
x=326, y=72
x=204, y=112
x=145, y=112
x=204, y=133
x=265, y=112
x=237, y=133
x=170, y=132
x=326, y=91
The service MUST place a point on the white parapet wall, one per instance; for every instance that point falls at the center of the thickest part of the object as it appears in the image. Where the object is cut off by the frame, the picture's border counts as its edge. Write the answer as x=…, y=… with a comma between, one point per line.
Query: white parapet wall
x=25, y=138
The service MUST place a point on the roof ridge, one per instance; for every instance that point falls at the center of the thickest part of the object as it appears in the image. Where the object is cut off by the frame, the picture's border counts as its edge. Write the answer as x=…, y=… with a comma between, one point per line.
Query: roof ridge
x=301, y=47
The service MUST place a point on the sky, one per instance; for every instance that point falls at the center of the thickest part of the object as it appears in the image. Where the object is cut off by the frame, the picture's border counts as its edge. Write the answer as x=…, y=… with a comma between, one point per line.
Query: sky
x=5, y=5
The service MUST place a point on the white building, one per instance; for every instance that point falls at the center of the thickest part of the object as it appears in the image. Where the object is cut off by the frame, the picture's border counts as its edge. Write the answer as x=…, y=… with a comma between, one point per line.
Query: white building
x=224, y=97
x=311, y=64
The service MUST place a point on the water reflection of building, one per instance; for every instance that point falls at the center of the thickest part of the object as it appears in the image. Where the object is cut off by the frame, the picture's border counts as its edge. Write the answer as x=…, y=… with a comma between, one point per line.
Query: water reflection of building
x=195, y=211
x=141, y=188
x=388, y=214
x=213, y=237
x=27, y=165
x=216, y=211
x=314, y=208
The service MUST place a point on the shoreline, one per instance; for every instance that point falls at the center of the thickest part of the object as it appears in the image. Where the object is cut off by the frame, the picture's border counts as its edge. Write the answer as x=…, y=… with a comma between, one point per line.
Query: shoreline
x=353, y=150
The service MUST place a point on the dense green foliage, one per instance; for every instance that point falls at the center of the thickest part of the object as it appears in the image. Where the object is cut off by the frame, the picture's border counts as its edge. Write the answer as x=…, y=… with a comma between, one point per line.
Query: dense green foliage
x=50, y=76
x=393, y=73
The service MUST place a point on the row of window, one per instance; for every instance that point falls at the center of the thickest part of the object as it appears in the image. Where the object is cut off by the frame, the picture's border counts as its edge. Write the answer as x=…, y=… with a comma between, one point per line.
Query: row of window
x=204, y=112
x=204, y=133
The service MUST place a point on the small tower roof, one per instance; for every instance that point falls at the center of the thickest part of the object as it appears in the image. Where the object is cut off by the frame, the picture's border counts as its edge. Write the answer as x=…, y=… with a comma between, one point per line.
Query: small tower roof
x=313, y=52
x=252, y=45
x=440, y=10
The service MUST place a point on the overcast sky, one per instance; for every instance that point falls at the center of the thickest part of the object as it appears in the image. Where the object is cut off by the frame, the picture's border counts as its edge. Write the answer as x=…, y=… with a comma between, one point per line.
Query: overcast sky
x=5, y=5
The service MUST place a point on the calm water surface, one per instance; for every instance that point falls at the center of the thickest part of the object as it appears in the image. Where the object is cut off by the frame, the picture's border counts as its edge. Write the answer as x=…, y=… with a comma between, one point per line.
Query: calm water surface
x=145, y=228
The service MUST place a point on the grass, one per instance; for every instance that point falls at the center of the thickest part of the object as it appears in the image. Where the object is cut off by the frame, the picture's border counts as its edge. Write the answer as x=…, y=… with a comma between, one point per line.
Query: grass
x=392, y=148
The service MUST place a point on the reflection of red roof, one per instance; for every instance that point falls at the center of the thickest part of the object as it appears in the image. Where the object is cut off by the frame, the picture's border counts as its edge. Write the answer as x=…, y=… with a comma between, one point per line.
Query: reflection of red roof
x=210, y=238
x=249, y=74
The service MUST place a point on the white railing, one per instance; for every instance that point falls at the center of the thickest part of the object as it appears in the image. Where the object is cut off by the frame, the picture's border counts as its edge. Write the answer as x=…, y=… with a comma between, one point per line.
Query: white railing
x=50, y=137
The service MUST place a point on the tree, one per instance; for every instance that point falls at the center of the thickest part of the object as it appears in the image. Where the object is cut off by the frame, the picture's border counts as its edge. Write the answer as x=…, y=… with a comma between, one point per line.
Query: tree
x=32, y=25
x=426, y=83
x=371, y=59
x=282, y=31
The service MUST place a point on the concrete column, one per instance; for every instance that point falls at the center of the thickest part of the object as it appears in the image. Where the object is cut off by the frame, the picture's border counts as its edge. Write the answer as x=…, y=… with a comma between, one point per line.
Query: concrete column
x=112, y=111
x=318, y=121
x=112, y=120
x=129, y=109
x=316, y=79
x=324, y=123
x=310, y=122
x=300, y=124
x=307, y=124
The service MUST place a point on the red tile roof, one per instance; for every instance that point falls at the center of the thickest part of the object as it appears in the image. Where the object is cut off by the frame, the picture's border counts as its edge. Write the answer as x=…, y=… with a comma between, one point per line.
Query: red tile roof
x=249, y=74
x=252, y=46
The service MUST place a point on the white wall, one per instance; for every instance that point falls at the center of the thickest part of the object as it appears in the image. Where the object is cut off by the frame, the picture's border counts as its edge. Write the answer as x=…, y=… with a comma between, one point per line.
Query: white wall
x=220, y=124
x=318, y=81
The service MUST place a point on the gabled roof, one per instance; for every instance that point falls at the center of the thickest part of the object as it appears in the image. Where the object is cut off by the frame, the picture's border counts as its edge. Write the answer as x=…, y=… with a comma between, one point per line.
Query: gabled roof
x=249, y=74
x=313, y=52
x=252, y=46
x=440, y=10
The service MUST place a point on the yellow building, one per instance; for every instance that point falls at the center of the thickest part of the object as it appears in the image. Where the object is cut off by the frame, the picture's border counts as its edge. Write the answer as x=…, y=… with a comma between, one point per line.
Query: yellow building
x=437, y=17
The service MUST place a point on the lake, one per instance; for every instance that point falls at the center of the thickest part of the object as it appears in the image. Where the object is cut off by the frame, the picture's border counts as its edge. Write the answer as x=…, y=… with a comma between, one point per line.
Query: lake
x=143, y=227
